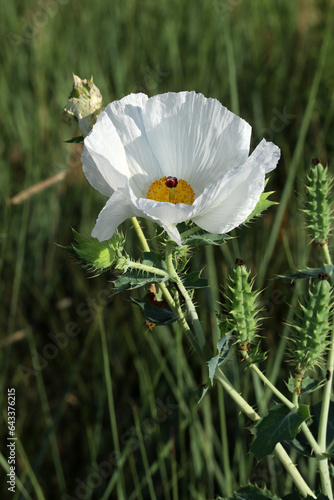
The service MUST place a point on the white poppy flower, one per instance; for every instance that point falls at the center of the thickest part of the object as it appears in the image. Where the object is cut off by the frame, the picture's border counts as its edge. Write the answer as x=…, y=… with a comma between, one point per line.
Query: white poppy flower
x=175, y=157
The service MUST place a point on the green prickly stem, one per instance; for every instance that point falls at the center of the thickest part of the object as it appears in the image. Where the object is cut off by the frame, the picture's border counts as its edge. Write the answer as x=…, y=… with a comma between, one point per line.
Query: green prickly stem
x=243, y=311
x=309, y=340
x=318, y=208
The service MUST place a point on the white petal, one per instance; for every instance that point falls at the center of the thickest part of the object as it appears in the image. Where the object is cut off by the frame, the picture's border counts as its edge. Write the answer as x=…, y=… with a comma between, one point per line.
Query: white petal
x=117, y=148
x=236, y=195
x=103, y=159
x=164, y=211
x=195, y=138
x=126, y=117
x=173, y=233
x=117, y=209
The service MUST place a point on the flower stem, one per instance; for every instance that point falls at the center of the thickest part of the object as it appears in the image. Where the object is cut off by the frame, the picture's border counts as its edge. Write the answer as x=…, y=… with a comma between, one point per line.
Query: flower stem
x=148, y=269
x=173, y=304
x=326, y=399
x=189, y=303
x=279, y=450
x=140, y=234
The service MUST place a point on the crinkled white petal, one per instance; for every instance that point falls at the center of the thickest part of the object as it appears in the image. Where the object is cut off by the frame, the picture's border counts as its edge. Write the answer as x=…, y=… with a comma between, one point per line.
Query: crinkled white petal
x=126, y=117
x=195, y=138
x=117, y=149
x=234, y=198
x=118, y=208
x=138, y=140
x=100, y=173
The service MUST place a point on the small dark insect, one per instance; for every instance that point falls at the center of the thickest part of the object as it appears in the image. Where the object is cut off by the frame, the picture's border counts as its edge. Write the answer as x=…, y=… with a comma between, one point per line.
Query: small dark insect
x=239, y=262
x=323, y=276
x=328, y=374
x=315, y=161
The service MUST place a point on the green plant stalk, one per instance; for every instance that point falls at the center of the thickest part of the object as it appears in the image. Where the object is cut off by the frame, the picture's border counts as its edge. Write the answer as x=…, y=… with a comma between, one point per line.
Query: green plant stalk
x=189, y=303
x=295, y=396
x=140, y=234
x=148, y=472
x=219, y=376
x=113, y=424
x=326, y=398
x=292, y=406
x=317, y=447
x=148, y=269
x=279, y=450
x=166, y=293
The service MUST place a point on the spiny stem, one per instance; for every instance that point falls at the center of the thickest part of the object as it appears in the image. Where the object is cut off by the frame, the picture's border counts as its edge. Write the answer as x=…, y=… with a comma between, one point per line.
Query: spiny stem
x=189, y=303
x=174, y=305
x=148, y=269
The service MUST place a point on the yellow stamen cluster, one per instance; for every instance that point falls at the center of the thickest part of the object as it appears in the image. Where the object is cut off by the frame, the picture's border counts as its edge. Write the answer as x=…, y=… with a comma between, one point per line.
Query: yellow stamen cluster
x=182, y=193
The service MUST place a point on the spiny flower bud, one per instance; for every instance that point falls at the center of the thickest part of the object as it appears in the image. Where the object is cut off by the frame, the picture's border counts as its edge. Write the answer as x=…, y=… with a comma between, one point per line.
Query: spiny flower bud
x=318, y=205
x=84, y=105
x=309, y=338
x=99, y=256
x=243, y=309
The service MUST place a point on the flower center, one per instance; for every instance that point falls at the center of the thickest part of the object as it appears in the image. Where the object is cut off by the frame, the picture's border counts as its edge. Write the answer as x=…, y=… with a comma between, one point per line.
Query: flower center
x=172, y=190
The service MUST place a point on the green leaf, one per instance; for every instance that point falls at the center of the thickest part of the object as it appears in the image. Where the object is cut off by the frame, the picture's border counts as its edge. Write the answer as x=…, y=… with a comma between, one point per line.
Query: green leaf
x=193, y=280
x=307, y=273
x=155, y=315
x=154, y=259
x=77, y=140
x=201, y=237
x=135, y=279
x=262, y=204
x=203, y=390
x=292, y=496
x=308, y=385
x=280, y=424
x=223, y=347
x=252, y=492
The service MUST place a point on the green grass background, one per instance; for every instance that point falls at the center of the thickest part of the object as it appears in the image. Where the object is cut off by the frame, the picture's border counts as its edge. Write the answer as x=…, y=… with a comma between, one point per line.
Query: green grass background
x=116, y=395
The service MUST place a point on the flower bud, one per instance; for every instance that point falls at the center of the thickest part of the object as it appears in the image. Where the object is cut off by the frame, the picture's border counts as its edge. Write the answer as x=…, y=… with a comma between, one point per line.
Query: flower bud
x=99, y=256
x=309, y=334
x=318, y=205
x=84, y=105
x=243, y=309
